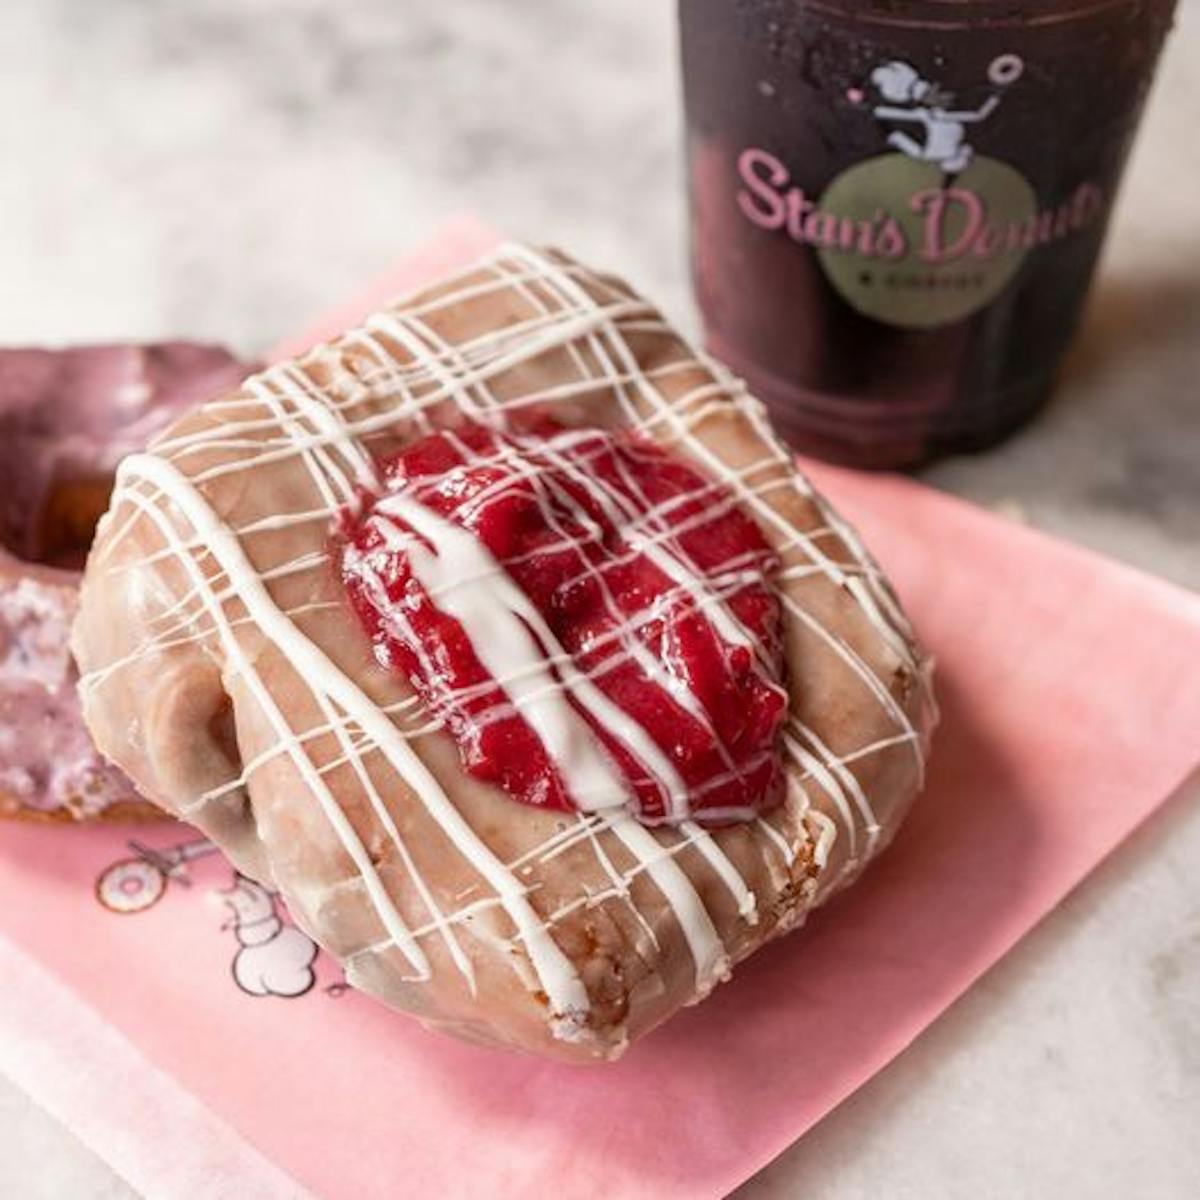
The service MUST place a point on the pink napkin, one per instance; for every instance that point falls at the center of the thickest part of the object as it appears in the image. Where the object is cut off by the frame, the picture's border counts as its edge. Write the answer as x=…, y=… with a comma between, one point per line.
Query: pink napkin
x=1069, y=717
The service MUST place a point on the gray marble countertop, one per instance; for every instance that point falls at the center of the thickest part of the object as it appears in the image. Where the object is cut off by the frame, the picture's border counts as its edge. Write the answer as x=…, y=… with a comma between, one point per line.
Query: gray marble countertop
x=226, y=170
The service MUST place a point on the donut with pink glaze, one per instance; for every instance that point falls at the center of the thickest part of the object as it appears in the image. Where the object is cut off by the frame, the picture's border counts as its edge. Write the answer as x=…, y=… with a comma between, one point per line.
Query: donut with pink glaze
x=67, y=417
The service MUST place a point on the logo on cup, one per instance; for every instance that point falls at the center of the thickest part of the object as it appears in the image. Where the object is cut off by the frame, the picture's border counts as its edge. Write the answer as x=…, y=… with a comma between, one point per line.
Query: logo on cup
x=930, y=232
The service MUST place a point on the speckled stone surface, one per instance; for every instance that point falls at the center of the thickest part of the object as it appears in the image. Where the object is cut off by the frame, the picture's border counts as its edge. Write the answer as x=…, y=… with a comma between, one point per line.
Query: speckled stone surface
x=219, y=169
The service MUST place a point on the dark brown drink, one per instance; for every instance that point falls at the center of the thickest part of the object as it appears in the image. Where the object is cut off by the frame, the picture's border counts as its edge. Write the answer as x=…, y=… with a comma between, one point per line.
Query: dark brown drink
x=897, y=206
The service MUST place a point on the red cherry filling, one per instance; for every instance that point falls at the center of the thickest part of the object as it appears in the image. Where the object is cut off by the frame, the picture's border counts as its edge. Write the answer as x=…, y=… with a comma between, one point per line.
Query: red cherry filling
x=588, y=616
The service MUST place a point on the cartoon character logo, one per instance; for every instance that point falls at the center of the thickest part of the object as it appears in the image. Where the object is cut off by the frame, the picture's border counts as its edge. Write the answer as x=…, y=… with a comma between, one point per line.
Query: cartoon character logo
x=273, y=958
x=931, y=230
x=911, y=100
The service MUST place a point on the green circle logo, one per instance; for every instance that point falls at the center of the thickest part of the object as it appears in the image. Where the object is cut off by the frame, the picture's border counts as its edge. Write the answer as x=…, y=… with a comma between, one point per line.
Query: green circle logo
x=909, y=246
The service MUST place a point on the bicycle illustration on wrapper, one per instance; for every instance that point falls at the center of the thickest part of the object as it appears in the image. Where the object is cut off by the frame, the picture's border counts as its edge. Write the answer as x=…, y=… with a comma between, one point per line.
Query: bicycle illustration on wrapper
x=273, y=957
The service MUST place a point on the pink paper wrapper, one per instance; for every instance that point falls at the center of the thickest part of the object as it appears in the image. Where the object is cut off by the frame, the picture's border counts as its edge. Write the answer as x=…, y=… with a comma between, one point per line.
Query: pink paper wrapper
x=1069, y=716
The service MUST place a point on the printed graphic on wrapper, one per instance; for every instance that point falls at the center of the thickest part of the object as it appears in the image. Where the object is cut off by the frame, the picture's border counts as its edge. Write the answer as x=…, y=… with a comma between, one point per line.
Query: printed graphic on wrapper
x=272, y=957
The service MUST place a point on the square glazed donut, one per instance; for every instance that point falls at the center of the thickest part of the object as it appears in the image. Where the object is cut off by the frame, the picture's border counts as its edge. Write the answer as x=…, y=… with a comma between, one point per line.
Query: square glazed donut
x=503, y=637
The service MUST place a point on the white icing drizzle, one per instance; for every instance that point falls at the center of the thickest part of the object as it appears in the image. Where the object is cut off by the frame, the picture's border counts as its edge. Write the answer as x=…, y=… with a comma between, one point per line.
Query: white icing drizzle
x=512, y=640
x=619, y=882
x=203, y=519
x=561, y=982
x=516, y=645
x=509, y=636
x=625, y=630
x=699, y=934
x=627, y=520
x=325, y=419
x=327, y=431
x=781, y=843
x=658, y=549
x=729, y=875
x=623, y=359
x=814, y=768
x=708, y=952
x=320, y=466
x=561, y=283
x=713, y=462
